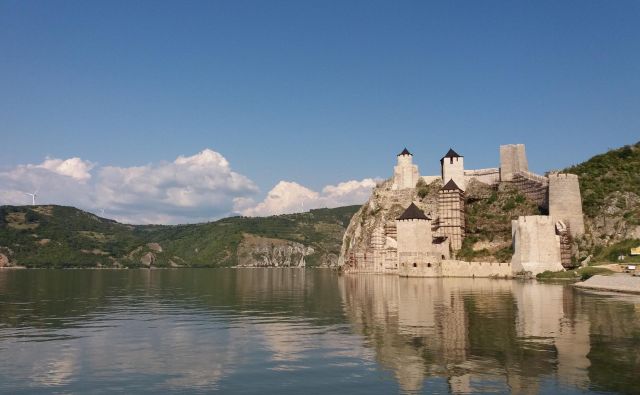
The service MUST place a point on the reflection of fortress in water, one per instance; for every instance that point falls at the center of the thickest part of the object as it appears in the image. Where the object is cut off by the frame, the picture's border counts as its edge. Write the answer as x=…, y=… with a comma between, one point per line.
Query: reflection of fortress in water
x=471, y=331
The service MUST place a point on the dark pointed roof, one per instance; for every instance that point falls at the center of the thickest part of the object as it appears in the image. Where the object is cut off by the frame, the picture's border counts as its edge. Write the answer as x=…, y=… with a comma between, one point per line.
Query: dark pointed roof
x=451, y=186
x=405, y=151
x=412, y=212
x=452, y=154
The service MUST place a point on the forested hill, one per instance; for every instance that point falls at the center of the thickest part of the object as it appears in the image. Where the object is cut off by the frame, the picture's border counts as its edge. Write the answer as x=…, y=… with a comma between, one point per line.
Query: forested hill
x=58, y=236
x=610, y=187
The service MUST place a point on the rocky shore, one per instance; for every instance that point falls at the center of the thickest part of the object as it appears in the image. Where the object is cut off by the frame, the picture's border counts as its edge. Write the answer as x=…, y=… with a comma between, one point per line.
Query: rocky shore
x=615, y=283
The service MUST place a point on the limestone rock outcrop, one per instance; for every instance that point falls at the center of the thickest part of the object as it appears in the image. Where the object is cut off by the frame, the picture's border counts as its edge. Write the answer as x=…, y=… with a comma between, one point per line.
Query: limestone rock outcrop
x=257, y=251
x=378, y=216
x=148, y=259
x=4, y=260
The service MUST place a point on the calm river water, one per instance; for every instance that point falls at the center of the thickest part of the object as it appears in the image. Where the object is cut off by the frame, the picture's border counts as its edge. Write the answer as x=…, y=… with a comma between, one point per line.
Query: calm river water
x=293, y=331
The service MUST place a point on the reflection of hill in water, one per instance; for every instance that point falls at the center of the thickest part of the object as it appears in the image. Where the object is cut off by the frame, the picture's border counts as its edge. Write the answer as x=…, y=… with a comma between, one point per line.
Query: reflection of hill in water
x=56, y=298
x=208, y=329
x=484, y=335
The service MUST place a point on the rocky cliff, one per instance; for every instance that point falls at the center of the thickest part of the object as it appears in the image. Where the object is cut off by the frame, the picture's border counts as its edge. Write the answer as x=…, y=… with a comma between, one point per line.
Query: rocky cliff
x=382, y=208
x=256, y=251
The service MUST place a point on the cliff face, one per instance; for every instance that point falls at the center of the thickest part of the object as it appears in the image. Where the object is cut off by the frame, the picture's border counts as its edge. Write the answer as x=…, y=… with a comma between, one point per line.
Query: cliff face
x=256, y=251
x=382, y=208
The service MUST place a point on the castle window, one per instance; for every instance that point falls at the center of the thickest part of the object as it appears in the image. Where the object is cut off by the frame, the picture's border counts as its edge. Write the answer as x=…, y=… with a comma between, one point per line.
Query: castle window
x=415, y=264
x=429, y=264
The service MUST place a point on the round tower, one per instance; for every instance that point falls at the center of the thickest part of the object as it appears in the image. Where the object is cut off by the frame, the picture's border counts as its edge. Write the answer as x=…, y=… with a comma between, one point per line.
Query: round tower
x=565, y=201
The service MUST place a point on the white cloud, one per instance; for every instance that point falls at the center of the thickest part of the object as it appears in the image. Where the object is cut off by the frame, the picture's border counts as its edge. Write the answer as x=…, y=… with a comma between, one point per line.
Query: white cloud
x=290, y=197
x=190, y=189
x=74, y=167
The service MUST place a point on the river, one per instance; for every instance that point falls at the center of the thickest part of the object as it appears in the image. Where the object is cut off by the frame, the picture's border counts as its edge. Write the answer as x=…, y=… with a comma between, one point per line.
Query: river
x=293, y=331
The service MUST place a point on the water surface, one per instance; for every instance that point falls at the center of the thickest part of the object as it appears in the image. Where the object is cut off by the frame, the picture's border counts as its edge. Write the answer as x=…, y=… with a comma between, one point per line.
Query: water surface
x=309, y=331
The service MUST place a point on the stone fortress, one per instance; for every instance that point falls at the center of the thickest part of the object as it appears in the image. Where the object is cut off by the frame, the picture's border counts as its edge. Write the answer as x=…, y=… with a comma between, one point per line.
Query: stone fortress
x=399, y=232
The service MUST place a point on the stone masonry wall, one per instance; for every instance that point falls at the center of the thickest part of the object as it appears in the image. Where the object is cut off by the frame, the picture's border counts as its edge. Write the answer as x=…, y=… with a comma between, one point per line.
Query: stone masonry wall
x=489, y=176
x=453, y=268
x=512, y=159
x=565, y=202
x=536, y=245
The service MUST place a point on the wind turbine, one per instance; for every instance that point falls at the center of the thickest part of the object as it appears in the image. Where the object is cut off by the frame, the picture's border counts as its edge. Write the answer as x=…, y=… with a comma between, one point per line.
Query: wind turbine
x=33, y=197
x=102, y=212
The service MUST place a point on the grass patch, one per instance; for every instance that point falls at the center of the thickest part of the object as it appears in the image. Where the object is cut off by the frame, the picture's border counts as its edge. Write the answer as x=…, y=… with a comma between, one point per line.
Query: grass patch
x=582, y=273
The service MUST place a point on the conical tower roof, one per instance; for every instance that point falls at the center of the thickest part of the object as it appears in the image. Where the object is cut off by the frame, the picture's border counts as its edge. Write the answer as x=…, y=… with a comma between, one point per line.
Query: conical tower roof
x=451, y=186
x=405, y=151
x=452, y=154
x=413, y=212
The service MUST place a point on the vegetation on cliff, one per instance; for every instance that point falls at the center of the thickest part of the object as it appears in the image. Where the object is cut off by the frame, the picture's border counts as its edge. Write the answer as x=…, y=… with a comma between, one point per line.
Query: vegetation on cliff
x=616, y=172
x=489, y=213
x=610, y=188
x=57, y=236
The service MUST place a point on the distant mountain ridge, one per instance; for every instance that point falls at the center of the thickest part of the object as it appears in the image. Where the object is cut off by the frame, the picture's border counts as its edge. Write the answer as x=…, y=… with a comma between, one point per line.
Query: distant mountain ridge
x=59, y=236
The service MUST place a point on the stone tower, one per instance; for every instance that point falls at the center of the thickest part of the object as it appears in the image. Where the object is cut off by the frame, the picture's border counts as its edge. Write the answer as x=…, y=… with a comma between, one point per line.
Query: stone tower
x=512, y=160
x=536, y=247
x=405, y=173
x=414, y=232
x=565, y=202
x=451, y=214
x=452, y=166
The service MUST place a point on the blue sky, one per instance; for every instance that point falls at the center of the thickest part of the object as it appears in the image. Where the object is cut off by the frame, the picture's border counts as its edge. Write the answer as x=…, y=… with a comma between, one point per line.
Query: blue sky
x=317, y=92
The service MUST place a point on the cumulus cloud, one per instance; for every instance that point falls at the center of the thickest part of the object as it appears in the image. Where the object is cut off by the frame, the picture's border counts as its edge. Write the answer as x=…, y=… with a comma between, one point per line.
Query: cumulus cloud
x=185, y=189
x=290, y=197
x=190, y=189
x=74, y=167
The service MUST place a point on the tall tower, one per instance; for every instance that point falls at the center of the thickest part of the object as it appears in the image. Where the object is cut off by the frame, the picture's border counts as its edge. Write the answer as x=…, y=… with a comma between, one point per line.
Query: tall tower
x=565, y=202
x=451, y=213
x=452, y=166
x=405, y=173
x=513, y=159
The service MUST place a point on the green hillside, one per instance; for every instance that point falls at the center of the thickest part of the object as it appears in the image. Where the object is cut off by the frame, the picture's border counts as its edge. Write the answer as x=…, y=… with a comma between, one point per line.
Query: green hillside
x=604, y=176
x=57, y=236
x=610, y=187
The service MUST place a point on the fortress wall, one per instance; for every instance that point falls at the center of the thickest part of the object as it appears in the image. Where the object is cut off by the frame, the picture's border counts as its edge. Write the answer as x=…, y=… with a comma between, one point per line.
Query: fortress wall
x=512, y=159
x=419, y=265
x=455, y=268
x=429, y=266
x=536, y=245
x=565, y=201
x=533, y=186
x=489, y=176
x=429, y=179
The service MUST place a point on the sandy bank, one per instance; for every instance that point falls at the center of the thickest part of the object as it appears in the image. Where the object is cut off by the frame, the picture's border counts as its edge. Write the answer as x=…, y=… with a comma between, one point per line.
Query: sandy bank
x=616, y=283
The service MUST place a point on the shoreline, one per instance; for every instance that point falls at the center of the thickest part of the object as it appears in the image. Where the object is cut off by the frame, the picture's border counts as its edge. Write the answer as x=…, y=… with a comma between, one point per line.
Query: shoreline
x=616, y=283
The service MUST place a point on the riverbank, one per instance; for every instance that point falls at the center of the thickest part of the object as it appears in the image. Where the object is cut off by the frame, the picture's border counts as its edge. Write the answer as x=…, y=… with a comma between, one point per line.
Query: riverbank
x=615, y=283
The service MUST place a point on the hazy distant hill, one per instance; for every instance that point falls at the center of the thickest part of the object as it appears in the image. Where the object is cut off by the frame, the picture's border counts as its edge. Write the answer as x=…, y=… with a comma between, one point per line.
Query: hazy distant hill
x=58, y=236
